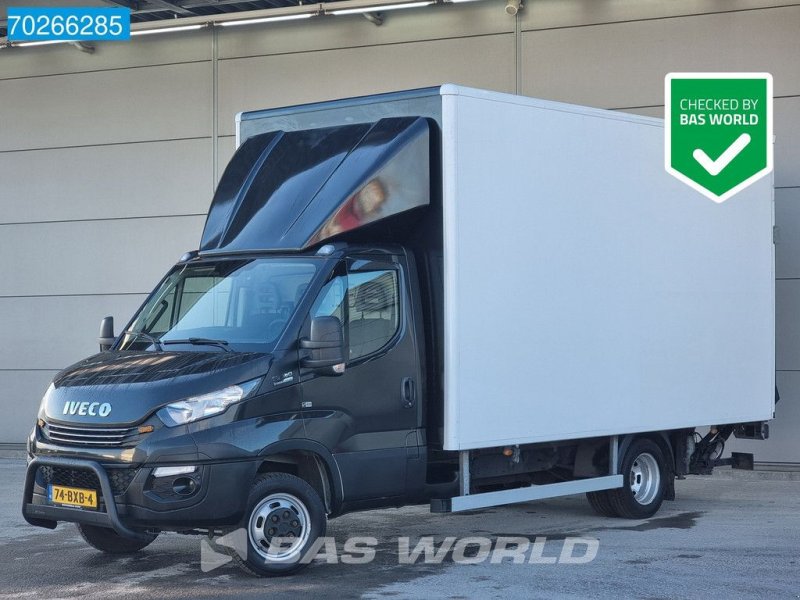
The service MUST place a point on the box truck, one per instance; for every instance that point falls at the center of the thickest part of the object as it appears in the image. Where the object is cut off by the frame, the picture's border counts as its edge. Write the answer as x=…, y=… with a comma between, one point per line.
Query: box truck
x=444, y=295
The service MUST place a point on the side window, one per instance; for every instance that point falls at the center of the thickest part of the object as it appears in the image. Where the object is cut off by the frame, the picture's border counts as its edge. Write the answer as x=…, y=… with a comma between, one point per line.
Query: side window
x=373, y=310
x=162, y=319
x=368, y=305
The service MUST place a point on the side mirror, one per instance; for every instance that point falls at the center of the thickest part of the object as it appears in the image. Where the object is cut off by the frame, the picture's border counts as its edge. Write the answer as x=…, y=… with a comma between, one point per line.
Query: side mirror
x=326, y=343
x=107, y=337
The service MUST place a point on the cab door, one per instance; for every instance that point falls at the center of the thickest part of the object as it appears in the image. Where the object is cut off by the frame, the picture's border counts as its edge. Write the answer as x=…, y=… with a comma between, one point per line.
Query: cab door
x=369, y=415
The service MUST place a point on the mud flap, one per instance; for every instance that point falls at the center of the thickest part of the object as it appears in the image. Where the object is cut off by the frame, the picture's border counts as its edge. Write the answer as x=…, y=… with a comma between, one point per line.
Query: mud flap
x=742, y=460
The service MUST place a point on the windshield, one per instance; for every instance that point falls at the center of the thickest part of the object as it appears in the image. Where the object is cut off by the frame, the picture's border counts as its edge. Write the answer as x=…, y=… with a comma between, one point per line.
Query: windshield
x=241, y=305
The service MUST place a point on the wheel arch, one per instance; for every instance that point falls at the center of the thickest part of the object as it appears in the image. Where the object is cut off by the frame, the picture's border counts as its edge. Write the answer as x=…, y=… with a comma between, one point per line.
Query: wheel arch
x=310, y=461
x=661, y=439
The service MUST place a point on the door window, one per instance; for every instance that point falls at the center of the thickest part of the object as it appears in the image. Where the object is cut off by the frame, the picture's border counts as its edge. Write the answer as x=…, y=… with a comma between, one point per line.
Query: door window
x=367, y=303
x=373, y=311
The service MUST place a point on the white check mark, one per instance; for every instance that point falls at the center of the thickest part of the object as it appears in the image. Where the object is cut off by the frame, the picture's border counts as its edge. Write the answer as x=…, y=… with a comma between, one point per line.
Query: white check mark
x=714, y=167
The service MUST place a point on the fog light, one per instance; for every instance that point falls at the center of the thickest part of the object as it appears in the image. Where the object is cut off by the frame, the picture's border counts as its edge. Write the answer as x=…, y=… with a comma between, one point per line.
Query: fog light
x=184, y=486
x=167, y=471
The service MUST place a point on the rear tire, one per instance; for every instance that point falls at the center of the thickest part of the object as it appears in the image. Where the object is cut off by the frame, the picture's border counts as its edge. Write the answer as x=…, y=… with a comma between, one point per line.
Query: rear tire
x=601, y=503
x=280, y=506
x=645, y=473
x=109, y=541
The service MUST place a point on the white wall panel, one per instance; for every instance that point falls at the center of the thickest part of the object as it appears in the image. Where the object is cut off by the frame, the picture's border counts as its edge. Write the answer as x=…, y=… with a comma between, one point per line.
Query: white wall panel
x=250, y=83
x=787, y=139
x=149, y=50
x=19, y=401
x=64, y=331
x=126, y=105
x=226, y=146
x=548, y=14
x=787, y=324
x=348, y=31
x=787, y=219
x=92, y=257
x=624, y=64
x=100, y=182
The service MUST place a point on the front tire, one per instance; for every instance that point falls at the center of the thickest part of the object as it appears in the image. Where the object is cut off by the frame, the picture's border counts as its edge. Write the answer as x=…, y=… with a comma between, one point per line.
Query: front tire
x=109, y=541
x=284, y=518
x=645, y=471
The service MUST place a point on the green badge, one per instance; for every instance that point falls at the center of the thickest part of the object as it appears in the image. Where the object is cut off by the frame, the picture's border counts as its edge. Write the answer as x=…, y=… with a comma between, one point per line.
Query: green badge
x=718, y=136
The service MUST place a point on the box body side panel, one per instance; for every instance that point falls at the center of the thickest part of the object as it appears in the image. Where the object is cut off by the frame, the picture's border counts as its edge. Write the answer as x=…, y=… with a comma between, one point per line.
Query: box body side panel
x=589, y=293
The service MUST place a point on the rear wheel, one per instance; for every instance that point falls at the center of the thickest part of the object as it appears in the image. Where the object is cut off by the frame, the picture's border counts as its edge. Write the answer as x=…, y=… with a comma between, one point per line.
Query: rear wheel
x=645, y=471
x=284, y=518
x=601, y=504
x=109, y=541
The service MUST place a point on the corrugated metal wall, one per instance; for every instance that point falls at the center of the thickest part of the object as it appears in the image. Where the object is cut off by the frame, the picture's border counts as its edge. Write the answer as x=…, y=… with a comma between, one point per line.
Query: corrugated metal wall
x=108, y=161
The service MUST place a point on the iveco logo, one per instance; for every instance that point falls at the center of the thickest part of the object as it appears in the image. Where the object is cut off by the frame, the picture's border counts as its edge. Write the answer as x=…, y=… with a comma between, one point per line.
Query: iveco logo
x=93, y=409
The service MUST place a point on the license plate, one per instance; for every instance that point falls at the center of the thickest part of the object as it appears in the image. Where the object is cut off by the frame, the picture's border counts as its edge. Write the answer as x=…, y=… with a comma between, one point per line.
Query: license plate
x=69, y=496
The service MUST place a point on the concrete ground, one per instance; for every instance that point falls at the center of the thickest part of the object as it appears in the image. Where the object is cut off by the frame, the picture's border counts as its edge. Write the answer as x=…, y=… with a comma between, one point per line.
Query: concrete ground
x=729, y=536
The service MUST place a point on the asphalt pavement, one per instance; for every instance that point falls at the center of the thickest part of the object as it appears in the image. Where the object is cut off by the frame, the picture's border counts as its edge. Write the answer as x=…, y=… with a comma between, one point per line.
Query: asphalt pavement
x=729, y=536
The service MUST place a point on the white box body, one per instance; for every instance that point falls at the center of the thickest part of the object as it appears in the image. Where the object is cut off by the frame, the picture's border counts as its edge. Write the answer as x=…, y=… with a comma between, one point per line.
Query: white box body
x=587, y=292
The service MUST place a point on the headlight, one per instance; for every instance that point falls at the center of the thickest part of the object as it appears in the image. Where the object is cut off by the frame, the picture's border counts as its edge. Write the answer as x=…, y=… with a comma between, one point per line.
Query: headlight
x=207, y=405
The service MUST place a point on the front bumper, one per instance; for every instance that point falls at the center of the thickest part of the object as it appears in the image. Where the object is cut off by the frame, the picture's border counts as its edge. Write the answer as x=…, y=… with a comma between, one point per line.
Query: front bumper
x=132, y=500
x=44, y=515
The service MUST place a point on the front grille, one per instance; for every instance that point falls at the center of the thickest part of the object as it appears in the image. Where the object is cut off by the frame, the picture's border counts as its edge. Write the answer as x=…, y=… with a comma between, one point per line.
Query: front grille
x=83, y=478
x=91, y=436
x=79, y=478
x=121, y=479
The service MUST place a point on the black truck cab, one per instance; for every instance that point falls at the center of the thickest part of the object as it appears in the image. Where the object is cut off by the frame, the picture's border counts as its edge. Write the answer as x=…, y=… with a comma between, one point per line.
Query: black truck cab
x=286, y=348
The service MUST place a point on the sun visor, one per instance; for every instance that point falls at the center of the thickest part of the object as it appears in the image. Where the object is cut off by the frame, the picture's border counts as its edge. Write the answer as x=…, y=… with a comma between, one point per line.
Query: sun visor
x=291, y=190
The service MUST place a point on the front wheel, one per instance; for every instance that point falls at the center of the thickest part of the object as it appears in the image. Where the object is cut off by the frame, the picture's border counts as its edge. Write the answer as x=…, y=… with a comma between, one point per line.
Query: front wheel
x=109, y=541
x=284, y=518
x=645, y=471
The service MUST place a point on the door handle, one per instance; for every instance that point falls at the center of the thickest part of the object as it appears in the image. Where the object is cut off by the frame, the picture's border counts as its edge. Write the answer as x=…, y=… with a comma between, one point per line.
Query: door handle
x=408, y=392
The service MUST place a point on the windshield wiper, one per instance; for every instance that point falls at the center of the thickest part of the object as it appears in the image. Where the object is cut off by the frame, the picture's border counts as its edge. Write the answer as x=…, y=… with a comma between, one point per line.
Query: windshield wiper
x=151, y=338
x=201, y=342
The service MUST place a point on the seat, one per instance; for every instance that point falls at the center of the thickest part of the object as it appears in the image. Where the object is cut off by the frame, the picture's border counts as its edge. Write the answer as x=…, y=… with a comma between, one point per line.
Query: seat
x=372, y=318
x=267, y=311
